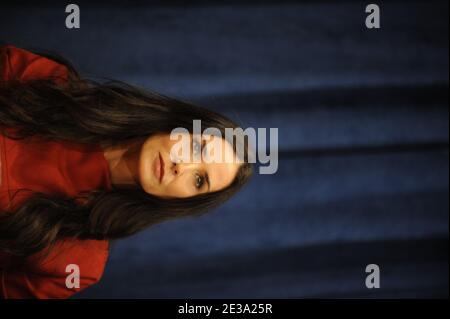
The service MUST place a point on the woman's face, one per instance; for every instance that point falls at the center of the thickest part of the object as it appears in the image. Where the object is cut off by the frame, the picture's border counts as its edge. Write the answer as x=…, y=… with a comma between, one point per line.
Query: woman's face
x=161, y=175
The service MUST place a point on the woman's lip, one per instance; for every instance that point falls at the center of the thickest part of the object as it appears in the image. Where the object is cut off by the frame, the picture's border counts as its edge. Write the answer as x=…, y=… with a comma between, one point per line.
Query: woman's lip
x=161, y=171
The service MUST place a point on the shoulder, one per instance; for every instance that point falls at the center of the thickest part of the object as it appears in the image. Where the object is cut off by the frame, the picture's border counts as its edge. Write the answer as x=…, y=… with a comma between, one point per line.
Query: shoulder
x=89, y=255
x=23, y=65
x=47, y=276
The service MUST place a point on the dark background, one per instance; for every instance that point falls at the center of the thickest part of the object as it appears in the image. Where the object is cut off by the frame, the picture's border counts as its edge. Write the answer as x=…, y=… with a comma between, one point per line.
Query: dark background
x=363, y=134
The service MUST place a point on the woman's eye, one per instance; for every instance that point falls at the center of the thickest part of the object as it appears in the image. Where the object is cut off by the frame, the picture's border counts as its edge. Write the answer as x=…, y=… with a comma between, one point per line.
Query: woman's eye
x=199, y=180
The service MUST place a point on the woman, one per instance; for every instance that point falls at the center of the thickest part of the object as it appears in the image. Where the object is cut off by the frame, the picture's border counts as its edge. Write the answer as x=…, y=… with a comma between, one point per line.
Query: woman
x=83, y=163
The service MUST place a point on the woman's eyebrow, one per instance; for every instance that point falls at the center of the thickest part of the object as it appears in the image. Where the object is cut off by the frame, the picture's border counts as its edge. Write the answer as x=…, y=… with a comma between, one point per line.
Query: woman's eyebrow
x=203, y=143
x=207, y=181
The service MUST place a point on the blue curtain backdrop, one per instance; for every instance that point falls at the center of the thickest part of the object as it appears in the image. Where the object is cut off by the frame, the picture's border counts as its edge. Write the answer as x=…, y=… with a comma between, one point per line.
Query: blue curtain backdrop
x=363, y=135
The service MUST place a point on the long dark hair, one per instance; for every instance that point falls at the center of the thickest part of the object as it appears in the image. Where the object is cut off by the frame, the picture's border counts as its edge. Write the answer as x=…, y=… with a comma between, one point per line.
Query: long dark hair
x=92, y=112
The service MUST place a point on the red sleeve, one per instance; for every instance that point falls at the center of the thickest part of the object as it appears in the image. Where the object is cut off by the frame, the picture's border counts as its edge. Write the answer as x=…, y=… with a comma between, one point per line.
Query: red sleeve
x=19, y=64
x=38, y=277
x=52, y=277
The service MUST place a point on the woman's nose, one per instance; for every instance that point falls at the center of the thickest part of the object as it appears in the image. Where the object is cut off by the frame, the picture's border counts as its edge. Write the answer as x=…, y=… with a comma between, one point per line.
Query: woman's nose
x=180, y=168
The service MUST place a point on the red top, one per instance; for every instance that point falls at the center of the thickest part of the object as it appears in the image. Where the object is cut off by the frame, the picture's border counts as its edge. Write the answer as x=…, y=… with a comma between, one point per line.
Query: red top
x=54, y=168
